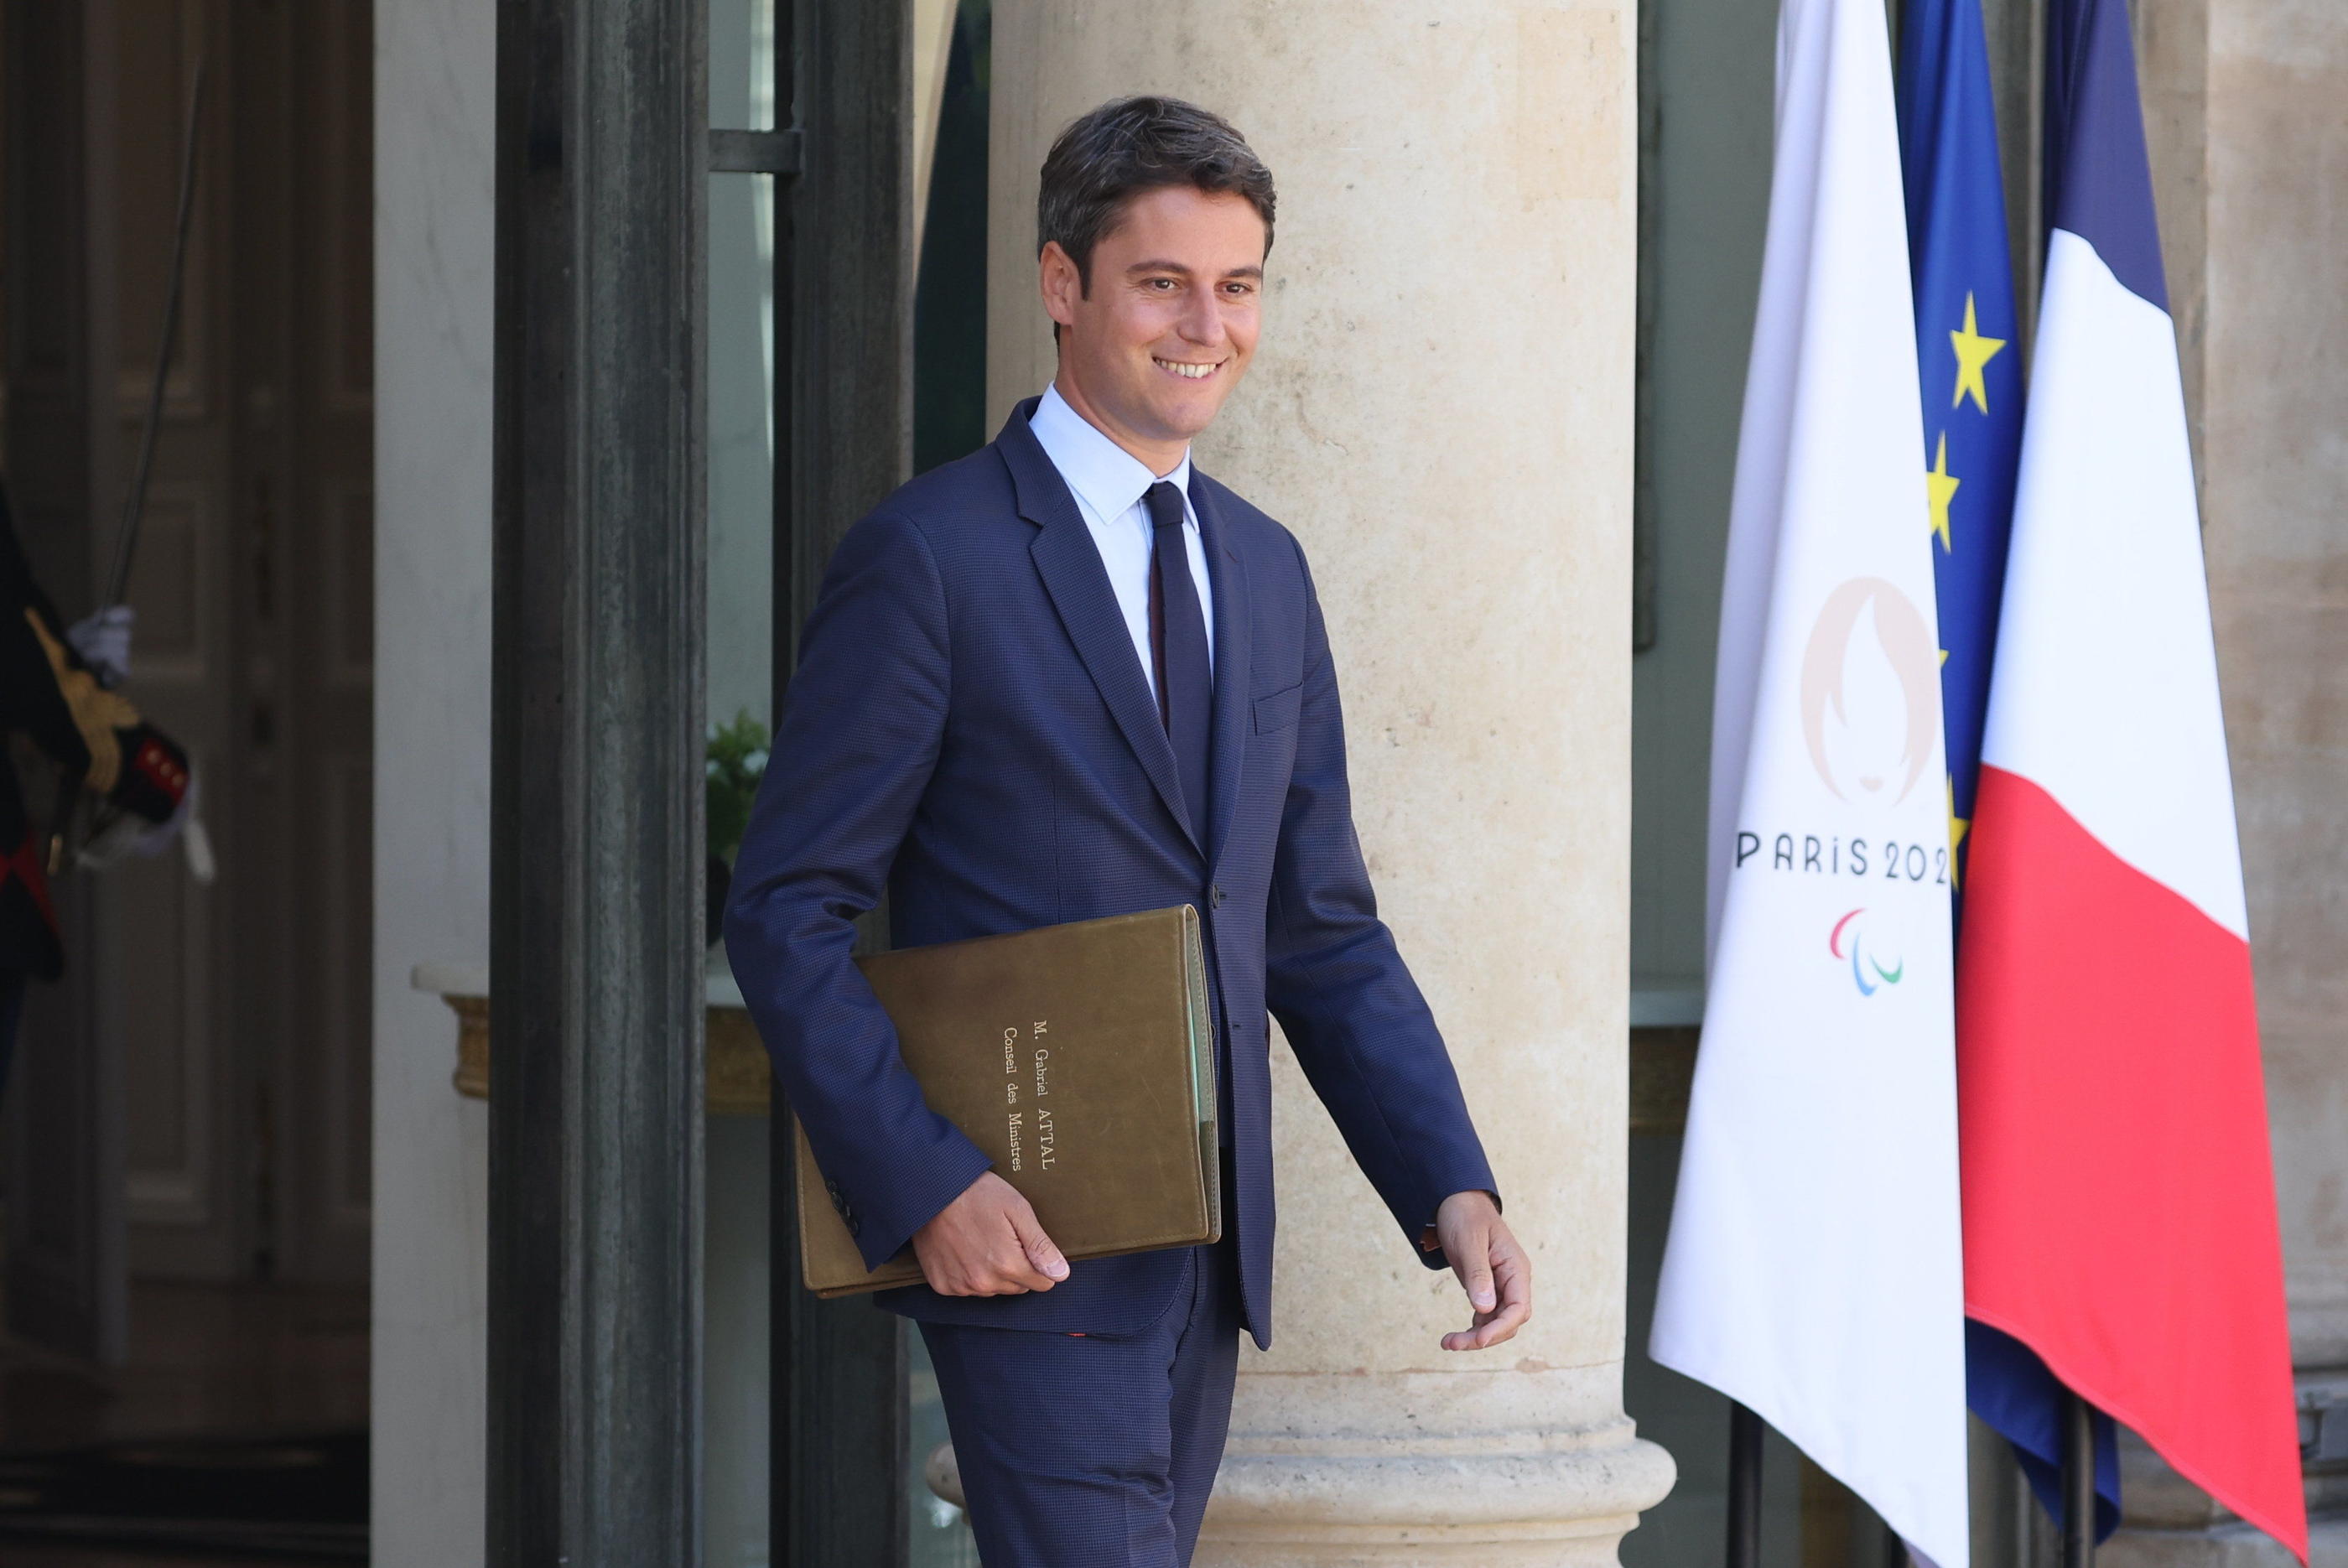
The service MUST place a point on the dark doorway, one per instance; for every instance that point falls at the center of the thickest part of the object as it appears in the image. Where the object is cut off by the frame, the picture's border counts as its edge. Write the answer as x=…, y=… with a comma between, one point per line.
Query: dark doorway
x=187, y=1217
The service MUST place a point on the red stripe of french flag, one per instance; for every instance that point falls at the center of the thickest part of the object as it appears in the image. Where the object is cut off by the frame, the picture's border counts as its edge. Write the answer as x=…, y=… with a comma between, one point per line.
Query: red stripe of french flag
x=2120, y=1213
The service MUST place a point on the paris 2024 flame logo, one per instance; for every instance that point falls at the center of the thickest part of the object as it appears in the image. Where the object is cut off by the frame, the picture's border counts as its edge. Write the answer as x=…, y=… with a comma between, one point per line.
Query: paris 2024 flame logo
x=1871, y=694
x=1870, y=713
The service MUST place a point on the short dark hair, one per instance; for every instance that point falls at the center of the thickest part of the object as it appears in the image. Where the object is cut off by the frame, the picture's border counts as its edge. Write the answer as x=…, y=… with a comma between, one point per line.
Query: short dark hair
x=1131, y=145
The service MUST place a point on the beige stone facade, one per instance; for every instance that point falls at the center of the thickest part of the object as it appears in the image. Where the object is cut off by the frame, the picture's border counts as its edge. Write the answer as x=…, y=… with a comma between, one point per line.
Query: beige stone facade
x=1443, y=411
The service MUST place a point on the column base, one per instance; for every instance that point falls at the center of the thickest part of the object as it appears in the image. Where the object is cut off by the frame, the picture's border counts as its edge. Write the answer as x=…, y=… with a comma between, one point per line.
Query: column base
x=2169, y=1522
x=1559, y=1499
x=1429, y=1468
x=2232, y=1546
x=1559, y=1506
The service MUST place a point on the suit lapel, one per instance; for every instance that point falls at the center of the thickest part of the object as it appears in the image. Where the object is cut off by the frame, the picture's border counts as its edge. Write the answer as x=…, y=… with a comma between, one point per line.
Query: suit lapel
x=1233, y=681
x=1070, y=565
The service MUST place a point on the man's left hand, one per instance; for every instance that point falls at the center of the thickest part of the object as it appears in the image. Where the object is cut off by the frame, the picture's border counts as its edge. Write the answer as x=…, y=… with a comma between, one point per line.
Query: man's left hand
x=1492, y=1268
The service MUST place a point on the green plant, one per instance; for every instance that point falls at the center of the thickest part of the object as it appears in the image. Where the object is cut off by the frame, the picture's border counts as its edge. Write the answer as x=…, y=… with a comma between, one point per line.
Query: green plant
x=736, y=761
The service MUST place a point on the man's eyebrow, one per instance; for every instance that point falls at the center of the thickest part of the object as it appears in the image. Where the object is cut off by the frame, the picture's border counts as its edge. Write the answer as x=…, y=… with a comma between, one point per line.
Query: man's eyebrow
x=1138, y=268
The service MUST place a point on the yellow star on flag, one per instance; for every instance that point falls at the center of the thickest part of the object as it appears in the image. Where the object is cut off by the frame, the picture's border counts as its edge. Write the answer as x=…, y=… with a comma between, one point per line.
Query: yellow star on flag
x=1974, y=352
x=1957, y=828
x=1939, y=488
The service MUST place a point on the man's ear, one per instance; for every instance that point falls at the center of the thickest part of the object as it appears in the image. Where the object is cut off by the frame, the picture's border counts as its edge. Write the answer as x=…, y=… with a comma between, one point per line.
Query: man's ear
x=1061, y=284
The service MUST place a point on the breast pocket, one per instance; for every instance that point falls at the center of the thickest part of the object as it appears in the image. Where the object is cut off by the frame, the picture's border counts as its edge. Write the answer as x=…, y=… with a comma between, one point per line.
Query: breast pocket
x=1278, y=711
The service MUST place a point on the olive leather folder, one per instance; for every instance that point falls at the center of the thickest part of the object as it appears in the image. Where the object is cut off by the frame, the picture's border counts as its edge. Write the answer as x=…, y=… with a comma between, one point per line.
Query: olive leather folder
x=1080, y=1059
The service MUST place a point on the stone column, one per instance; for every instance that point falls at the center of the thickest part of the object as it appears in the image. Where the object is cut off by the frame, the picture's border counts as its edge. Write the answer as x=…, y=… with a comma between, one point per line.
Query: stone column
x=2248, y=145
x=1441, y=409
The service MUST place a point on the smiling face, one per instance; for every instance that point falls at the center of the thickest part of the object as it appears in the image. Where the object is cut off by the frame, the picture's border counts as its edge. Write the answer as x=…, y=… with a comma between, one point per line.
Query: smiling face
x=1148, y=353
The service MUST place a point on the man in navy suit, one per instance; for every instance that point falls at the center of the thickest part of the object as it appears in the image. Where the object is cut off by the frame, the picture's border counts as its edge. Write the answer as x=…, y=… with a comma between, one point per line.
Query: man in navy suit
x=1070, y=677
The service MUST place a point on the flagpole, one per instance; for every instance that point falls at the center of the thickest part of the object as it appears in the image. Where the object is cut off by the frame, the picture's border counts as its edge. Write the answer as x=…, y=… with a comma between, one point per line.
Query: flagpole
x=1744, y=1488
x=2078, y=1482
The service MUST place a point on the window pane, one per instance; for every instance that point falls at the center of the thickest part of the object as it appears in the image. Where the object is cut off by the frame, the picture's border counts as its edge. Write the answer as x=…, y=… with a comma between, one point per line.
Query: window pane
x=741, y=552
x=741, y=447
x=742, y=64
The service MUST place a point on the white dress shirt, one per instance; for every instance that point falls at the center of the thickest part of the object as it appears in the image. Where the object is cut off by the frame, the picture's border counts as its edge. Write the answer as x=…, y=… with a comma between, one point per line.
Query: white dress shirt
x=1109, y=484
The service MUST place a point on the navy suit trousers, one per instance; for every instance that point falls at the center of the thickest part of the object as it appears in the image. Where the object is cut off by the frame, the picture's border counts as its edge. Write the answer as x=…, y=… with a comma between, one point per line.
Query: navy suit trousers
x=1094, y=1451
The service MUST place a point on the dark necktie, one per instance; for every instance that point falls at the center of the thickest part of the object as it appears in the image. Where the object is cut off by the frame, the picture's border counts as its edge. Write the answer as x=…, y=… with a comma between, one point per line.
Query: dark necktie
x=1178, y=646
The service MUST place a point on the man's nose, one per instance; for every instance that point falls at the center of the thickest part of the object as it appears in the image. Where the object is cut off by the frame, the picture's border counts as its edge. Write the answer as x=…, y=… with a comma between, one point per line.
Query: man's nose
x=1203, y=323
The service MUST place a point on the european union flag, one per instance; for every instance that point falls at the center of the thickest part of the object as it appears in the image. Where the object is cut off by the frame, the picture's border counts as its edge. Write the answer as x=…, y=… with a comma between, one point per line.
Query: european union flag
x=1966, y=348
x=1970, y=360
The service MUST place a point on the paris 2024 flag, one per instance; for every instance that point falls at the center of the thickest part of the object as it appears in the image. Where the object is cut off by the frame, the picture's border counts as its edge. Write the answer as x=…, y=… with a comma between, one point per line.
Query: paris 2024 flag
x=1813, y=1270
x=2118, y=1193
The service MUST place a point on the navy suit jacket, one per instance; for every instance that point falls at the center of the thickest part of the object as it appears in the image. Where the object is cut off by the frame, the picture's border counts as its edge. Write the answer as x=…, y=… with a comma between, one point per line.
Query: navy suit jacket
x=969, y=725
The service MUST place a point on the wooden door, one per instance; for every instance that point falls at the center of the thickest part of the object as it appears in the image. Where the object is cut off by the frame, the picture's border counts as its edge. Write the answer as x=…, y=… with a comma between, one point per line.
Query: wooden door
x=310, y=667
x=249, y=1080
x=163, y=952
x=230, y=1022
x=64, y=1098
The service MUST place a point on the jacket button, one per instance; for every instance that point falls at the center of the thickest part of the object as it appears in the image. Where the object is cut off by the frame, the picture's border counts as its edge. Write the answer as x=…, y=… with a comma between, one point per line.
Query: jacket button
x=1215, y=897
x=855, y=1226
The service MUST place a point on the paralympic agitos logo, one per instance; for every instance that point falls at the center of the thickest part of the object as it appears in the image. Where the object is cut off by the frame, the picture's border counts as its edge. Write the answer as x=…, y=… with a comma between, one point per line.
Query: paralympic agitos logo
x=1849, y=941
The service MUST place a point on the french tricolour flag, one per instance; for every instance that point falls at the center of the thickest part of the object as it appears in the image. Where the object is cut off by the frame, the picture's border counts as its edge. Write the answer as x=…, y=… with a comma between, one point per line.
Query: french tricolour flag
x=2119, y=1214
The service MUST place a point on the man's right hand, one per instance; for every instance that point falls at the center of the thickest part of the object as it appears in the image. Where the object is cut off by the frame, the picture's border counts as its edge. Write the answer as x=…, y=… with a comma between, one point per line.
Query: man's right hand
x=987, y=1243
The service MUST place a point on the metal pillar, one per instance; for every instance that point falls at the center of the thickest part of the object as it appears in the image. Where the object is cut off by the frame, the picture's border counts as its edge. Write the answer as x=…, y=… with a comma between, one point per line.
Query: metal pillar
x=1744, y=1430
x=2078, y=1482
x=595, y=952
